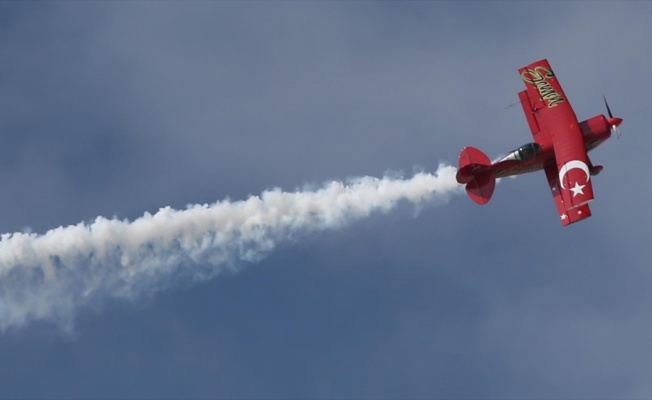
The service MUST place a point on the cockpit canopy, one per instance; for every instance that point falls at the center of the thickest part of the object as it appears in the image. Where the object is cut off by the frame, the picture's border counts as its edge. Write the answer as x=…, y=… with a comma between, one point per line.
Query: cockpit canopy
x=524, y=153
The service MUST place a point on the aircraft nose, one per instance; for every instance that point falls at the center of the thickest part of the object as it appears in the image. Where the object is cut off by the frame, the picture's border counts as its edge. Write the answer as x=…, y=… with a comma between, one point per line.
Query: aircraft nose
x=615, y=121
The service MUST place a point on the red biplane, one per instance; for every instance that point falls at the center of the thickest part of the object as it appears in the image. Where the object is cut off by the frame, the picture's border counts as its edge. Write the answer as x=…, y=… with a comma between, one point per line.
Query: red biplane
x=560, y=147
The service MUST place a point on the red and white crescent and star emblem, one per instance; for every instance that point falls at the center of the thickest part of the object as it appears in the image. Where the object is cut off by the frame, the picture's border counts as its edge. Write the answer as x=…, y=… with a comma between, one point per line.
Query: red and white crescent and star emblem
x=570, y=165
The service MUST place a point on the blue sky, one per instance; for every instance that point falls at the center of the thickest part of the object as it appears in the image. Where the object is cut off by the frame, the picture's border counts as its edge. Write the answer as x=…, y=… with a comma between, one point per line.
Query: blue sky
x=117, y=109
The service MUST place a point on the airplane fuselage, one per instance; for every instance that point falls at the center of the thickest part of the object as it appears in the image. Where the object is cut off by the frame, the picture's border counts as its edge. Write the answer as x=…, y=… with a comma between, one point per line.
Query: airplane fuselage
x=595, y=131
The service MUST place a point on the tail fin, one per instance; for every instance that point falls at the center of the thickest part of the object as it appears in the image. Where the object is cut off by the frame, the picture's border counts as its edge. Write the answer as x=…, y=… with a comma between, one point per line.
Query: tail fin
x=475, y=171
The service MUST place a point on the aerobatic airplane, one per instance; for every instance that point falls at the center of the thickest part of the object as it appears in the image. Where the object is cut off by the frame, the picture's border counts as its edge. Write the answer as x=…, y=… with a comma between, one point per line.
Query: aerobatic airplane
x=560, y=147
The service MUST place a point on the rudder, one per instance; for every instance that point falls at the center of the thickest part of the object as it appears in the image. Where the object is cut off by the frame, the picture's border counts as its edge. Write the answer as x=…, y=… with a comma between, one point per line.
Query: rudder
x=481, y=187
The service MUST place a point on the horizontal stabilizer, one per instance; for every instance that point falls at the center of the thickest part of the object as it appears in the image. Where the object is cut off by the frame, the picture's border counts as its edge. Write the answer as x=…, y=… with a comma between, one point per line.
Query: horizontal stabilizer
x=471, y=163
x=470, y=155
x=475, y=171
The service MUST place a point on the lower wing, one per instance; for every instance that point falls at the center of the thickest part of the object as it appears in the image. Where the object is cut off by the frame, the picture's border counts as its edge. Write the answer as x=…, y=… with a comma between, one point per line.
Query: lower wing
x=567, y=215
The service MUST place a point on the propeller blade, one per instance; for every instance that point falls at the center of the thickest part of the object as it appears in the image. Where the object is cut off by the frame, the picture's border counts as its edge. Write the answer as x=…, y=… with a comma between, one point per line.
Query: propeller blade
x=614, y=122
x=608, y=109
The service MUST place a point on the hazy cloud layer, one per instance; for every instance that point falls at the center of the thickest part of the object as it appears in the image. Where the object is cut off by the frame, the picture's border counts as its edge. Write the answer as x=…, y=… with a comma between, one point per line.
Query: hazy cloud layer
x=117, y=109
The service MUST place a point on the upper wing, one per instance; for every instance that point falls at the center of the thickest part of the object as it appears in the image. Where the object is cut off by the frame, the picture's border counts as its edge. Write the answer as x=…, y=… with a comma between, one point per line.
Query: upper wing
x=530, y=110
x=551, y=116
x=566, y=215
x=544, y=103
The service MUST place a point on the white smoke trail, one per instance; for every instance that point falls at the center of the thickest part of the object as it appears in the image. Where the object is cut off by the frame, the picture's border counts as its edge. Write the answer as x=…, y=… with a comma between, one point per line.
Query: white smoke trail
x=50, y=276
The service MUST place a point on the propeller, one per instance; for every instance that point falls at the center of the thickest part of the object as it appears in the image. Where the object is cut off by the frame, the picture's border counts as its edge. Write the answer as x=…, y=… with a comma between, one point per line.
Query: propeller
x=613, y=121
